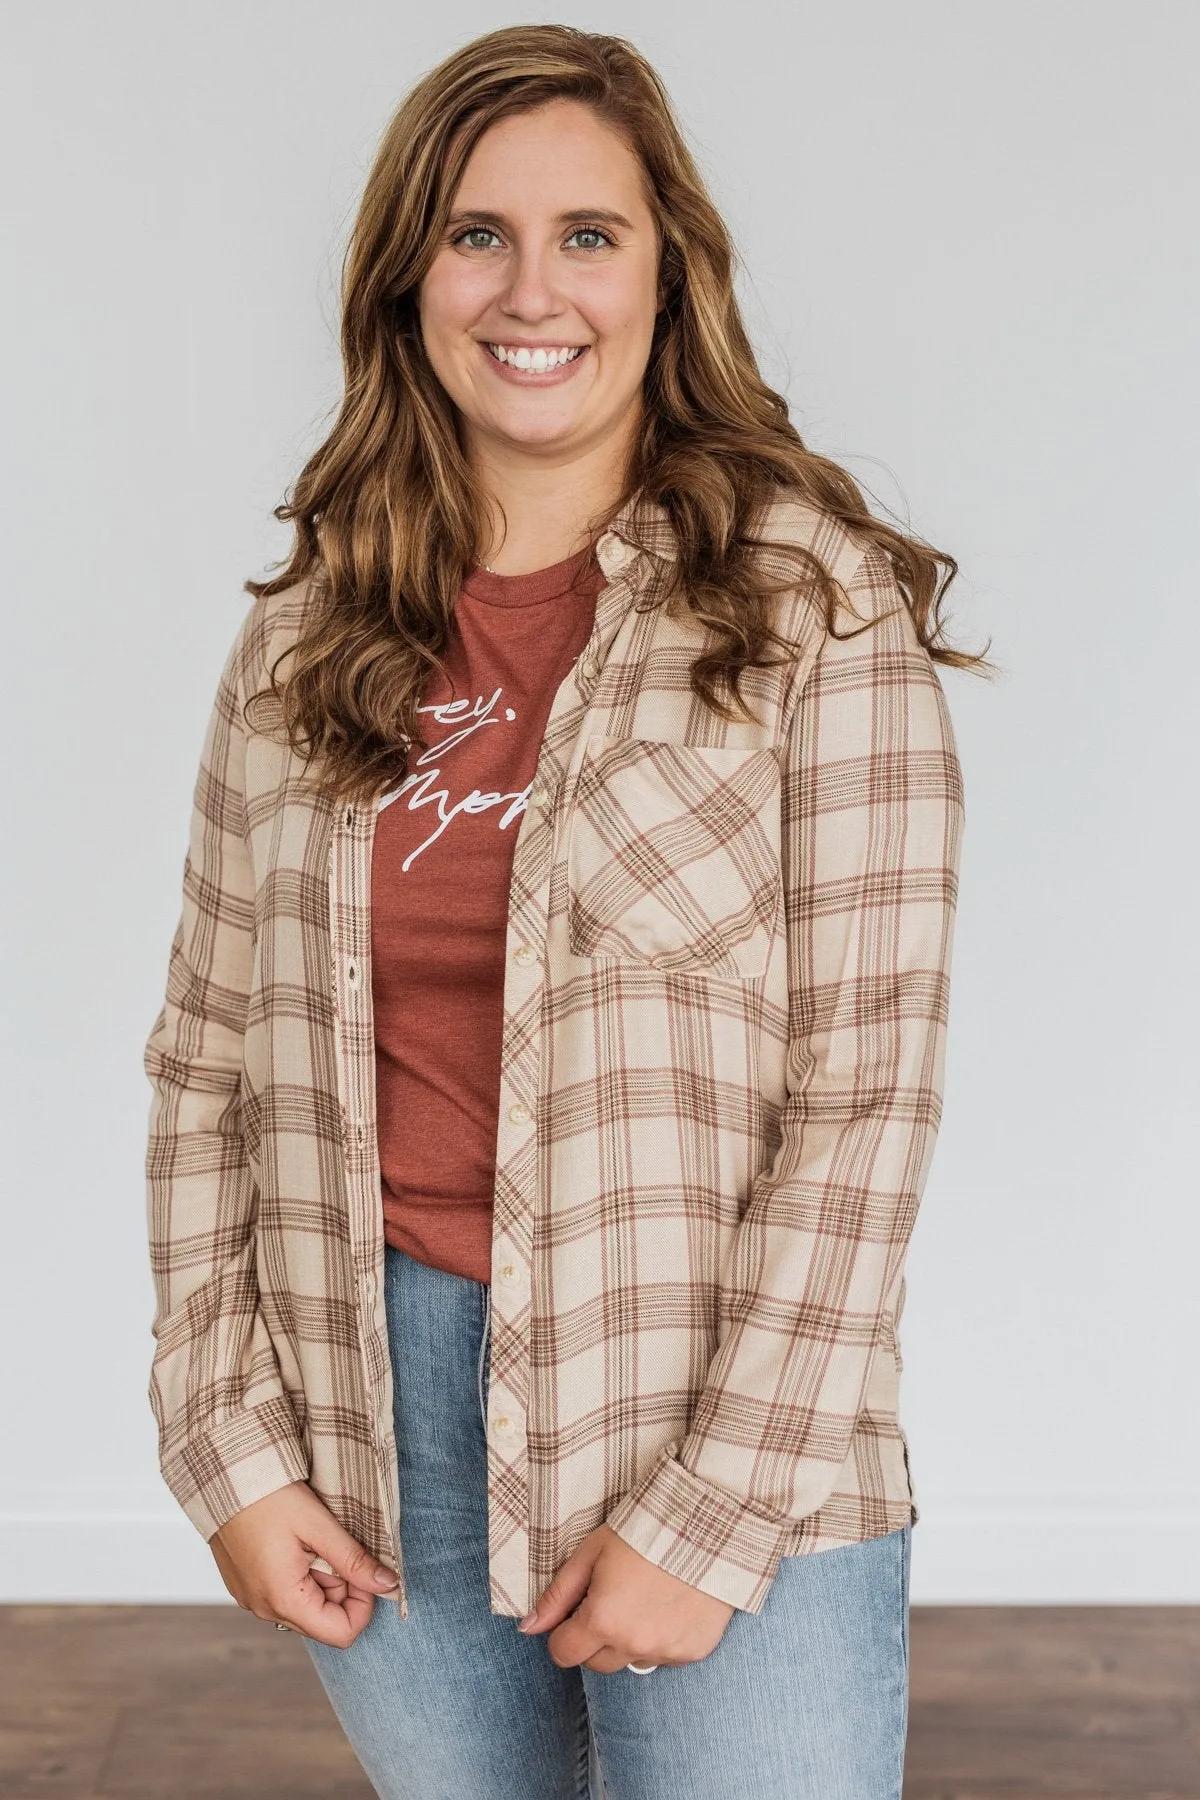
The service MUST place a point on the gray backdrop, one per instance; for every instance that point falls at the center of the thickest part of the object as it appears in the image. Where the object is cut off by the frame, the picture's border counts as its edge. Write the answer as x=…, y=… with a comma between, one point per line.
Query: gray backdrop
x=971, y=251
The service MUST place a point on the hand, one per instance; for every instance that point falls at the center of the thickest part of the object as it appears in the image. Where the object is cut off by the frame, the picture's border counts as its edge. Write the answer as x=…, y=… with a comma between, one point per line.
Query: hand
x=265, y=1554
x=624, y=1608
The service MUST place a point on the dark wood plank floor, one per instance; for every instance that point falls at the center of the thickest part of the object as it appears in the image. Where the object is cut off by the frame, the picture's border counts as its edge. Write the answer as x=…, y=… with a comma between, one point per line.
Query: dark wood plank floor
x=192, y=1703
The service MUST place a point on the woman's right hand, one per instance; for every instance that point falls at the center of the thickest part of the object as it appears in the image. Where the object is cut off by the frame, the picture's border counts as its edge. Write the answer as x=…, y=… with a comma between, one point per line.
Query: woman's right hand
x=265, y=1554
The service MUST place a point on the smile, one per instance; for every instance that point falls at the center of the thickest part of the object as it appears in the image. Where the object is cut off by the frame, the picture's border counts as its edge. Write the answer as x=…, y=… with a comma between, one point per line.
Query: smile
x=538, y=361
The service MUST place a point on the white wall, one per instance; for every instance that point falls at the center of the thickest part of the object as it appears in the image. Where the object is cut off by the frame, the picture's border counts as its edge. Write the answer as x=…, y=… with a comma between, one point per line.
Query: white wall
x=972, y=232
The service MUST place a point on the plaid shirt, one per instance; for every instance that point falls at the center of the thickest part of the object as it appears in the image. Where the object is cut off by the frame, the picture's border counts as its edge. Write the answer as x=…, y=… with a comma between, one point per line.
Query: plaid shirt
x=725, y=1009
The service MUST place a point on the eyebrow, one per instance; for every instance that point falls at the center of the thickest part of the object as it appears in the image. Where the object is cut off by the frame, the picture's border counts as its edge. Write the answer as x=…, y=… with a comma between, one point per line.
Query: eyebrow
x=600, y=215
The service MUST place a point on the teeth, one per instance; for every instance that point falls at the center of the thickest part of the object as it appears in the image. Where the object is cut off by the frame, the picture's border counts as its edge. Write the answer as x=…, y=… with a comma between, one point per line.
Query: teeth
x=539, y=360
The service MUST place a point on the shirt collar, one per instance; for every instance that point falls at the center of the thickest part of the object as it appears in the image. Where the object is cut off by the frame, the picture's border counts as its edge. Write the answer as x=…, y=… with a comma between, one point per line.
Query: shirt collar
x=646, y=525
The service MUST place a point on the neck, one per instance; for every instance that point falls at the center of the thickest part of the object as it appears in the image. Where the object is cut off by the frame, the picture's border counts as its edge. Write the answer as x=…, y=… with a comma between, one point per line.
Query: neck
x=542, y=509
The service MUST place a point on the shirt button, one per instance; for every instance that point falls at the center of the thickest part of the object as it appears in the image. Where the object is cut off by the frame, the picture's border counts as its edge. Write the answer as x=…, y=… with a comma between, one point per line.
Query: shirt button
x=540, y=795
x=504, y=1426
x=519, y=1113
x=525, y=954
x=507, y=1273
x=611, y=551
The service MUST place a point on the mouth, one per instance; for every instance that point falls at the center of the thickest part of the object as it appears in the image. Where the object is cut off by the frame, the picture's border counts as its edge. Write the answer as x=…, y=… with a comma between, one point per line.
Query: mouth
x=536, y=363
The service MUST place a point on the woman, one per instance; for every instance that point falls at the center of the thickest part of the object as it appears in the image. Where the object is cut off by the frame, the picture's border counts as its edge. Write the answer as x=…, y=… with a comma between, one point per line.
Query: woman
x=553, y=1043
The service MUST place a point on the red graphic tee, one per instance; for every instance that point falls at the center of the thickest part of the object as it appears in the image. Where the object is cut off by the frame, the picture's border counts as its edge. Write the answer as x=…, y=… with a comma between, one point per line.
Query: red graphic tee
x=439, y=904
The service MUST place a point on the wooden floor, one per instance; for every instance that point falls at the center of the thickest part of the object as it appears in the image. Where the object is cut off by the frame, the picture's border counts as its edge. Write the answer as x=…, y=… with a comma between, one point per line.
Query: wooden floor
x=1007, y=1703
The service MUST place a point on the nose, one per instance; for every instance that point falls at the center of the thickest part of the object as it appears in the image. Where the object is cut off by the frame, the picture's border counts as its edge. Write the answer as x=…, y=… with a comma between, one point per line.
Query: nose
x=531, y=294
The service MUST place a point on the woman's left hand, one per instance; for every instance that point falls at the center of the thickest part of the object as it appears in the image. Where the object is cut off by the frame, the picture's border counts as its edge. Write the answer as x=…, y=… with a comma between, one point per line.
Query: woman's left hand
x=624, y=1608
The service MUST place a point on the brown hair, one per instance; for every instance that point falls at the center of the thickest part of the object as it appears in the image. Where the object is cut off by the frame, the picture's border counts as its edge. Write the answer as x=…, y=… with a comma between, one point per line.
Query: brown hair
x=386, y=515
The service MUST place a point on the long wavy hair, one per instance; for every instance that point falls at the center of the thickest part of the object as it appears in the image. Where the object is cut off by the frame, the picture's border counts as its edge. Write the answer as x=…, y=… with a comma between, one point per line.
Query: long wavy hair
x=387, y=517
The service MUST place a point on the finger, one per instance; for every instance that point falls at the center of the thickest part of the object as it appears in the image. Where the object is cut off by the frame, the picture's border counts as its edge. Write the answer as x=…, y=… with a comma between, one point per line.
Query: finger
x=338, y=1592
x=292, y=1594
x=323, y=1604
x=347, y=1557
x=358, y=1609
x=564, y=1593
x=334, y=1614
x=310, y=1613
x=332, y=1586
x=337, y=1589
x=577, y=1641
x=608, y=1662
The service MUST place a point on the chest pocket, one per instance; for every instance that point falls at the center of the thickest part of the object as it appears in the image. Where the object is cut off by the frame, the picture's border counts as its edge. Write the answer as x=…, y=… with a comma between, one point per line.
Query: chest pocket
x=673, y=856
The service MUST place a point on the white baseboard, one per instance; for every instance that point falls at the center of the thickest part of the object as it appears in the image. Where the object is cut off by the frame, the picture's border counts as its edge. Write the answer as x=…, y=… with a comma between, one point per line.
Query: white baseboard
x=962, y=1555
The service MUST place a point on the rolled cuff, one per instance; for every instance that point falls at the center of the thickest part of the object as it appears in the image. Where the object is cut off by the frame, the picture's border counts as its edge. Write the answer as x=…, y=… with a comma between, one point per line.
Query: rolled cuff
x=702, y=1534
x=241, y=1460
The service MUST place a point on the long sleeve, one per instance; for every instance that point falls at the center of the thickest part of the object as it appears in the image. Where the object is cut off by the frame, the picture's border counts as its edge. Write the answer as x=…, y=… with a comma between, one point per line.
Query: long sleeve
x=872, y=815
x=227, y=1431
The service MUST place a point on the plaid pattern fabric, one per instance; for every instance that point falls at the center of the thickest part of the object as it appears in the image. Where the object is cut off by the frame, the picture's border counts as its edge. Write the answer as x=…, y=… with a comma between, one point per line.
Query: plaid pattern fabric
x=724, y=1033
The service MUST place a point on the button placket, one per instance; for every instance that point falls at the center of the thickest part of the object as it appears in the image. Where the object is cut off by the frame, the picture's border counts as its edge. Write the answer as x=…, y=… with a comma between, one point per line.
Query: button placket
x=619, y=562
x=349, y=889
x=510, y=1397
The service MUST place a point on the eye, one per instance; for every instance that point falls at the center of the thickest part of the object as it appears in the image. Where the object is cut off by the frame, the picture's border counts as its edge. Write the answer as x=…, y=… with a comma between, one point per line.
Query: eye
x=597, y=238
x=473, y=235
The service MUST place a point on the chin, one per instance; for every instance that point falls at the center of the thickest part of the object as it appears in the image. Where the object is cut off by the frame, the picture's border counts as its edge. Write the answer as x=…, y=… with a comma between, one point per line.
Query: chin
x=535, y=434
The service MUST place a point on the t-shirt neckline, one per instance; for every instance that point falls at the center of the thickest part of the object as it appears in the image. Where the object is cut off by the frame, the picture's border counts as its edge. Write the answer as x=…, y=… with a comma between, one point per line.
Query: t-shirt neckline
x=531, y=589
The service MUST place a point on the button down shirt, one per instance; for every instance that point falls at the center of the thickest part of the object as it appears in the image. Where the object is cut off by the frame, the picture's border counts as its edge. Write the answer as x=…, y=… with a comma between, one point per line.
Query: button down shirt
x=725, y=1010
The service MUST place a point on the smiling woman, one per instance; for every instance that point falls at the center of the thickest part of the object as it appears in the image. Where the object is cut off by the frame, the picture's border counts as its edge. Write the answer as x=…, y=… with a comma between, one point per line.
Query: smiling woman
x=552, y=1052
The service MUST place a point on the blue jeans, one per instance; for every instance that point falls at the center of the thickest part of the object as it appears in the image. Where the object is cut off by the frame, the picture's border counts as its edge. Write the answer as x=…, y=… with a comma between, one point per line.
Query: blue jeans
x=805, y=1700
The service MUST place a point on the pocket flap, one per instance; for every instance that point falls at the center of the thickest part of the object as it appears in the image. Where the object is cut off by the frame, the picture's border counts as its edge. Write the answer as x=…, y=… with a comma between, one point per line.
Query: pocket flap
x=673, y=855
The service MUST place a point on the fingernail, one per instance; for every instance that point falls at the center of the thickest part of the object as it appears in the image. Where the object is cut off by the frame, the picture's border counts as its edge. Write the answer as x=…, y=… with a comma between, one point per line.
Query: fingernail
x=527, y=1621
x=385, y=1578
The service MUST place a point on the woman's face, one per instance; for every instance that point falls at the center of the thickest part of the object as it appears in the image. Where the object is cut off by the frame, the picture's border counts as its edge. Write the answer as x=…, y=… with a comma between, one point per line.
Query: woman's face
x=538, y=310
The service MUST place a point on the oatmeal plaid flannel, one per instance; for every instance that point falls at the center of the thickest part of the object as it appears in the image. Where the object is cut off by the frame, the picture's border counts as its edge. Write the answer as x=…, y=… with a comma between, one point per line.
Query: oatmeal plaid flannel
x=722, y=1078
